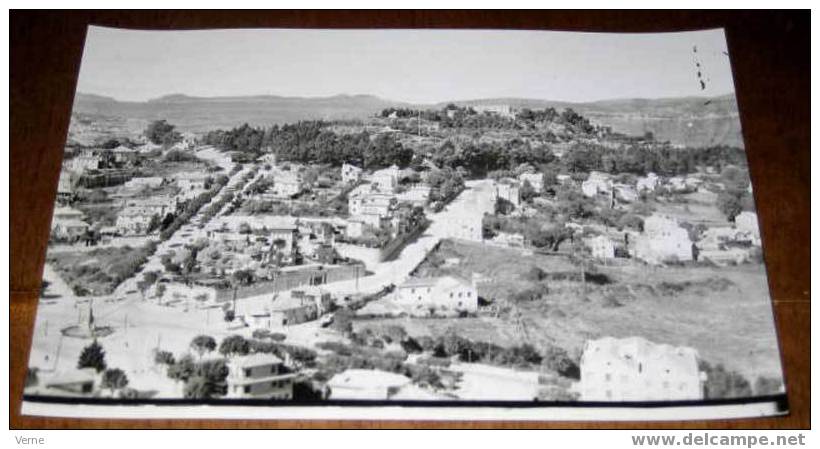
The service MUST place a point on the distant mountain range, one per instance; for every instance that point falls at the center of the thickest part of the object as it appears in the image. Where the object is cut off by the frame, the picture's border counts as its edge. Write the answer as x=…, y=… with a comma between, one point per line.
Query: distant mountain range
x=696, y=121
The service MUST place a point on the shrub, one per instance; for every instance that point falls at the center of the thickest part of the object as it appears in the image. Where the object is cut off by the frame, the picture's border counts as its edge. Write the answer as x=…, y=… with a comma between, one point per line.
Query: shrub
x=164, y=358
x=114, y=379
x=261, y=334
x=534, y=274
x=31, y=377
x=722, y=383
x=338, y=348
x=557, y=359
x=235, y=344
x=182, y=370
x=765, y=386
x=276, y=336
x=202, y=344
x=411, y=346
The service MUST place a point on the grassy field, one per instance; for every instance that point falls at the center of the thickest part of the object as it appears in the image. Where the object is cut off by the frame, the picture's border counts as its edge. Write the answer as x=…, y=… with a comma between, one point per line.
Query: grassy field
x=724, y=313
x=99, y=271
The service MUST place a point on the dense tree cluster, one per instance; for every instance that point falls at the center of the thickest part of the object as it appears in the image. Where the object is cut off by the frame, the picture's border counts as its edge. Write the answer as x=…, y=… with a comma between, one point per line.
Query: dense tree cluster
x=642, y=159
x=160, y=132
x=479, y=159
x=312, y=142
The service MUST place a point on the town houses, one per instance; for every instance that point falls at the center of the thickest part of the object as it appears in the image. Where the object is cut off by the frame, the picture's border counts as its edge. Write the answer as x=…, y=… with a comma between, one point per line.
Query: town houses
x=746, y=223
x=287, y=183
x=136, y=220
x=637, y=370
x=84, y=162
x=663, y=240
x=386, y=179
x=191, y=181
x=596, y=184
x=287, y=308
x=67, y=224
x=65, y=187
x=351, y=174
x=509, y=190
x=445, y=295
x=601, y=247
x=147, y=182
x=648, y=183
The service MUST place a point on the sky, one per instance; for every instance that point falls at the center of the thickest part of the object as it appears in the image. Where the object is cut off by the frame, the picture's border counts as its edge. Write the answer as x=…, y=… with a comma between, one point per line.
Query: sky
x=416, y=66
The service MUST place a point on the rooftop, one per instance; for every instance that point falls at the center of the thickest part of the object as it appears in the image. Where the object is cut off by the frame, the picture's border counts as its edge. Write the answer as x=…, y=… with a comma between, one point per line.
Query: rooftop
x=254, y=360
x=367, y=379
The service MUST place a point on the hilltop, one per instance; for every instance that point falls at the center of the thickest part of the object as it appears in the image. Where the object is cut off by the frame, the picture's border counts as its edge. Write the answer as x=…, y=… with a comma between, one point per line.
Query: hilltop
x=695, y=121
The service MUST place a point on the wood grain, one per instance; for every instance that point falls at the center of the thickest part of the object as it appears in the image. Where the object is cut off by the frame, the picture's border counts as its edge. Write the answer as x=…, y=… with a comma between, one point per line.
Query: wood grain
x=770, y=56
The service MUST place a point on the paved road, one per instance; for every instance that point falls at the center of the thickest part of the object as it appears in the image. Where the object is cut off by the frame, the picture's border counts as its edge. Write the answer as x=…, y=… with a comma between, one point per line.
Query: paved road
x=188, y=232
x=474, y=201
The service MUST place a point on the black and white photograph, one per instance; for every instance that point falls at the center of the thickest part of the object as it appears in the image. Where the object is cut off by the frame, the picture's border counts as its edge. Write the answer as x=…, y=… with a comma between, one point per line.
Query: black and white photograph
x=274, y=218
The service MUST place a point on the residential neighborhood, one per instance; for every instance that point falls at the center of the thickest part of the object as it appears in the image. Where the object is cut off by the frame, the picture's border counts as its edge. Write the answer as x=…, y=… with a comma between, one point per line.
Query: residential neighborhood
x=459, y=253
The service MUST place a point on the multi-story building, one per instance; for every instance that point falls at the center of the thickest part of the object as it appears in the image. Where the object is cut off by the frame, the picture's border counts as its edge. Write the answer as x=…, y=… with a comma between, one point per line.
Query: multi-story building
x=387, y=179
x=635, y=369
x=351, y=173
x=509, y=190
x=259, y=376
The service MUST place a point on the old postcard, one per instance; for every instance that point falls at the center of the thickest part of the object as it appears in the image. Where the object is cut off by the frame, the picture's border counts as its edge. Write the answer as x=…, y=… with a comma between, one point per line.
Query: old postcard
x=405, y=224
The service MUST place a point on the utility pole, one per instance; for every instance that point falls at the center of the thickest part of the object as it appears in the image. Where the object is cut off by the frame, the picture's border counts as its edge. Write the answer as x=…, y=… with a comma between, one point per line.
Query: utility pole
x=57, y=356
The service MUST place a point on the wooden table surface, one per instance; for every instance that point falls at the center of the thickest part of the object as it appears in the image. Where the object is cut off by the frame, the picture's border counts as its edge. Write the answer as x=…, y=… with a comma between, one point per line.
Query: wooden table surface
x=771, y=62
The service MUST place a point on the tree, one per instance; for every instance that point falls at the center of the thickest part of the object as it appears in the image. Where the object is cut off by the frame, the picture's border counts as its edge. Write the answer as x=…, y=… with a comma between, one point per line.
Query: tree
x=202, y=344
x=198, y=387
x=161, y=132
x=92, y=356
x=730, y=203
x=148, y=279
x=243, y=276
x=234, y=345
x=182, y=370
x=164, y=358
x=154, y=224
x=207, y=381
x=31, y=377
x=528, y=192
x=557, y=359
x=722, y=383
x=44, y=286
x=230, y=315
x=114, y=379
x=160, y=292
